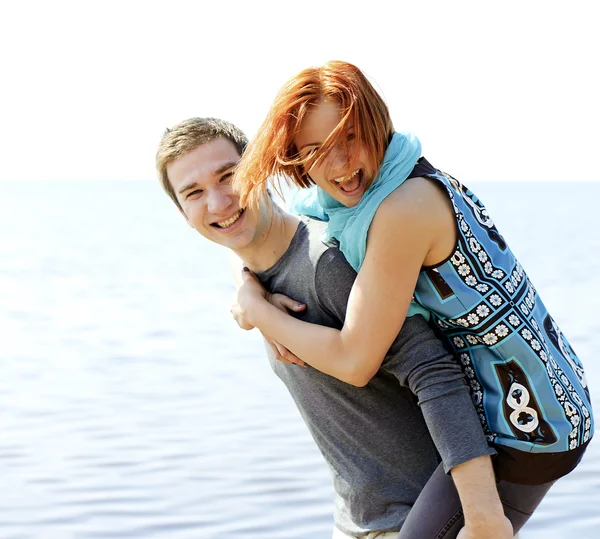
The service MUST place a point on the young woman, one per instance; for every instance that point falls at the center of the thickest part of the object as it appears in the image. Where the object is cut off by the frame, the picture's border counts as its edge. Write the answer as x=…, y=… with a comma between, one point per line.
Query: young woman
x=426, y=239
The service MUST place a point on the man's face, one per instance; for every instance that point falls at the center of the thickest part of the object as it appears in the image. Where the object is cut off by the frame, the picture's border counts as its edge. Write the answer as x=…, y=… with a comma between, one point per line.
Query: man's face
x=201, y=180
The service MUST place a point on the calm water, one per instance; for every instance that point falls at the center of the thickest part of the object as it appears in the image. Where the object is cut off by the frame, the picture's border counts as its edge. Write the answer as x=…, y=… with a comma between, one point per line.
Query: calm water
x=132, y=406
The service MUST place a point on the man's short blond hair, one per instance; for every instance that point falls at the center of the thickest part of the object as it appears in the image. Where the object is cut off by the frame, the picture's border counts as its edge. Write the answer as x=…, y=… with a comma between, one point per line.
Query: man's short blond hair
x=187, y=136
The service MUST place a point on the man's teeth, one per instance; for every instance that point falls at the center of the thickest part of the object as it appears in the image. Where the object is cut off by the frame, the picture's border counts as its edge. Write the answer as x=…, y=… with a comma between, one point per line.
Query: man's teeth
x=230, y=221
x=344, y=178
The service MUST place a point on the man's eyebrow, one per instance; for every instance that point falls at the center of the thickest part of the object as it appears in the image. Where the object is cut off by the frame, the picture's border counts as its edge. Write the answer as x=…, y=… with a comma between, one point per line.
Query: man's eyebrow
x=188, y=186
x=224, y=167
x=219, y=170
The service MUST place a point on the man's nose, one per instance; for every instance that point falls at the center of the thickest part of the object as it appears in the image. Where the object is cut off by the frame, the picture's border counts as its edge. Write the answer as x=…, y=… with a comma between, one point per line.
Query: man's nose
x=218, y=201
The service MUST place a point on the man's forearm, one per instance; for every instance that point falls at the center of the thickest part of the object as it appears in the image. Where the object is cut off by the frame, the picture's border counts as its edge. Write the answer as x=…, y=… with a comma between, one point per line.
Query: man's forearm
x=476, y=486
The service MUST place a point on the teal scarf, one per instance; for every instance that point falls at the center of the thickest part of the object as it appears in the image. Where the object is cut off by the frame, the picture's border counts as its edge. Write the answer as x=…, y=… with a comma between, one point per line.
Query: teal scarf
x=349, y=226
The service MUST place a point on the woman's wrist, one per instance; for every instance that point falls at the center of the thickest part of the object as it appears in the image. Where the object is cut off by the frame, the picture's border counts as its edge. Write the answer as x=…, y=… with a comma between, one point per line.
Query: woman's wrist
x=256, y=310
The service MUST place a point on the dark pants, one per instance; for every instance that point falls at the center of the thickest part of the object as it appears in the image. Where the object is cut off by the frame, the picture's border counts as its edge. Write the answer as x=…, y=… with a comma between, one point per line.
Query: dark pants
x=437, y=513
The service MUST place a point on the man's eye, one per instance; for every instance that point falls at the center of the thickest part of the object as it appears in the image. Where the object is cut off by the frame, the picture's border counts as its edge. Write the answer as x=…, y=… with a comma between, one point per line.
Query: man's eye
x=226, y=177
x=194, y=192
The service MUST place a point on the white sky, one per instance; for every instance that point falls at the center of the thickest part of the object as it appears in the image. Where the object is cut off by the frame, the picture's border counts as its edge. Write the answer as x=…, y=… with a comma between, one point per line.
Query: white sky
x=495, y=90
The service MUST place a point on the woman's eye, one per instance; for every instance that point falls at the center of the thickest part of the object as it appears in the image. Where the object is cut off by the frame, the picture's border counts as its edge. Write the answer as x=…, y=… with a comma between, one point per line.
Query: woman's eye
x=350, y=137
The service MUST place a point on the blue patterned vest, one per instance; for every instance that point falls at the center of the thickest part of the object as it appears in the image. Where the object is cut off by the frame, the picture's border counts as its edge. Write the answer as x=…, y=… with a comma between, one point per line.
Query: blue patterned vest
x=528, y=385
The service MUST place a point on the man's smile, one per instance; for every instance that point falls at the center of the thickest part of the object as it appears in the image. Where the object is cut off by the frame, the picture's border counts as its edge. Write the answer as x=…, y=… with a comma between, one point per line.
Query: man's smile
x=229, y=222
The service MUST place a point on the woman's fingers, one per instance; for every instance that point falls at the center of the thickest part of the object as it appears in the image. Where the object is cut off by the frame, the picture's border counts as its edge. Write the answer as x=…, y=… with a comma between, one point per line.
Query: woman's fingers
x=277, y=355
x=286, y=303
x=281, y=353
x=287, y=357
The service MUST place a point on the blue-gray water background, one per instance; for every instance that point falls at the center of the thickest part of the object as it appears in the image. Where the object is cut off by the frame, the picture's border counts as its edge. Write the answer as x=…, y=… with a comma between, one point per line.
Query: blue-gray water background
x=131, y=405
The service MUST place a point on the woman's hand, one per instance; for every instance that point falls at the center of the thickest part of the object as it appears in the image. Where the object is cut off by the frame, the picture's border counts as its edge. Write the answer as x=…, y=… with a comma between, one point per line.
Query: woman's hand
x=281, y=353
x=252, y=291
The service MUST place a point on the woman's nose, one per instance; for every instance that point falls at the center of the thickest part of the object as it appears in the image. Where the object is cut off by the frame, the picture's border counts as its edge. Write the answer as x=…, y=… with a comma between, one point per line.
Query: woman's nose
x=338, y=159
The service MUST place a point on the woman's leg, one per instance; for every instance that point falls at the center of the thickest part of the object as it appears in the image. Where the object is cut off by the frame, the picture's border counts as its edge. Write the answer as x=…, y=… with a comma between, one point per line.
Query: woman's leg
x=437, y=513
x=520, y=501
x=338, y=534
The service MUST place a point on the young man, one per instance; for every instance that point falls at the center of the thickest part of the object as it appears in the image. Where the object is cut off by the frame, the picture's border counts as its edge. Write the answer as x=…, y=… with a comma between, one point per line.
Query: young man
x=383, y=441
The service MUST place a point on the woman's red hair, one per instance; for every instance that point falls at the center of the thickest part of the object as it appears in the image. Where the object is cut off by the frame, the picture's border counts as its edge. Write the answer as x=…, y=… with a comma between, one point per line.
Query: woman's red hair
x=272, y=154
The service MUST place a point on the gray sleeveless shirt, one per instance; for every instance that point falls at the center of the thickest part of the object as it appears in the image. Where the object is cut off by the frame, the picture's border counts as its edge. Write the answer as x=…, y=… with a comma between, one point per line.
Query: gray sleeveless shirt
x=382, y=441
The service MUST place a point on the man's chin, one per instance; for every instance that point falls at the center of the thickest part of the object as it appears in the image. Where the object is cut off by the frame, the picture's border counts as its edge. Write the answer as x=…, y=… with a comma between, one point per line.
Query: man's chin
x=235, y=243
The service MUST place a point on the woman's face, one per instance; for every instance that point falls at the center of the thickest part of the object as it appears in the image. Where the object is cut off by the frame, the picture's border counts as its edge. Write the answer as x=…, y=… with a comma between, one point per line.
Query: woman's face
x=333, y=174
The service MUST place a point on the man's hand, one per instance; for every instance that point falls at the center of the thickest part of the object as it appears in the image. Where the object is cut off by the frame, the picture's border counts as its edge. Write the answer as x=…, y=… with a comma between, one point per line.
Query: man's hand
x=482, y=507
x=492, y=529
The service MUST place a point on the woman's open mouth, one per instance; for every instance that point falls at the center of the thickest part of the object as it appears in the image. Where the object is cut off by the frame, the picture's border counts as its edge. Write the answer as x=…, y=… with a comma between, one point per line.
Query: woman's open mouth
x=350, y=185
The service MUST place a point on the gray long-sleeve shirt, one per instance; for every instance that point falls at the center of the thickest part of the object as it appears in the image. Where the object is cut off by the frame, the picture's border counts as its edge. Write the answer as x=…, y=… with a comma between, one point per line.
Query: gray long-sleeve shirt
x=380, y=441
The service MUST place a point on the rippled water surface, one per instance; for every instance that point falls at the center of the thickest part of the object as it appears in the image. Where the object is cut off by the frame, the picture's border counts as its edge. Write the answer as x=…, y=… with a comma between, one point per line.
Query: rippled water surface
x=132, y=406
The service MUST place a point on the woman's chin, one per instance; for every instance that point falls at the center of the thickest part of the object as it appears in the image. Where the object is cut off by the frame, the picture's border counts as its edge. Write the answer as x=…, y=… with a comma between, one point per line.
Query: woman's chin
x=345, y=200
x=350, y=199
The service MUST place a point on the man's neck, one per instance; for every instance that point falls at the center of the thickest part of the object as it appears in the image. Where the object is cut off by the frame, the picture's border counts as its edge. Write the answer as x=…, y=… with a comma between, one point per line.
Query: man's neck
x=272, y=243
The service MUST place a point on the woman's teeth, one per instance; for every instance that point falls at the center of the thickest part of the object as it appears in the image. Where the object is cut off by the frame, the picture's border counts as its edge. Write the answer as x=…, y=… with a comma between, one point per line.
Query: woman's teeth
x=350, y=183
x=231, y=220
x=344, y=178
